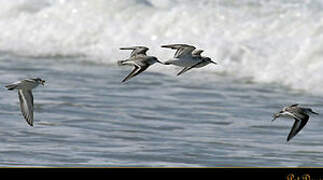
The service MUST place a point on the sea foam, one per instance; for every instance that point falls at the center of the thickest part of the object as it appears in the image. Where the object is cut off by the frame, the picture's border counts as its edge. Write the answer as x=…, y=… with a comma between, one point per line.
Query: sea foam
x=264, y=41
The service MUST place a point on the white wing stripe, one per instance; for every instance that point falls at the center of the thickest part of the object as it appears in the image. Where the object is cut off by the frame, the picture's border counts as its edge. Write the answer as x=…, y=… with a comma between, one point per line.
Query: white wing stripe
x=26, y=105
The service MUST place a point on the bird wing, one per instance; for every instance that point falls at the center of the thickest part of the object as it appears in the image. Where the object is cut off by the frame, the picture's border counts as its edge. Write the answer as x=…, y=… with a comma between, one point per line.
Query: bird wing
x=12, y=86
x=293, y=105
x=182, y=49
x=136, y=50
x=298, y=126
x=298, y=112
x=129, y=62
x=197, y=52
x=137, y=70
x=188, y=68
x=27, y=105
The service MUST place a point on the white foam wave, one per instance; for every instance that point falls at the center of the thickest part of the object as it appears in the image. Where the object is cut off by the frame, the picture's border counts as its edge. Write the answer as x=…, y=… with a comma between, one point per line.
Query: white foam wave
x=266, y=41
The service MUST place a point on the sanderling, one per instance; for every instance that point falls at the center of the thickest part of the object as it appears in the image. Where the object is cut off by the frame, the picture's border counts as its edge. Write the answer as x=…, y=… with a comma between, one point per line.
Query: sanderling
x=299, y=114
x=139, y=60
x=24, y=88
x=186, y=56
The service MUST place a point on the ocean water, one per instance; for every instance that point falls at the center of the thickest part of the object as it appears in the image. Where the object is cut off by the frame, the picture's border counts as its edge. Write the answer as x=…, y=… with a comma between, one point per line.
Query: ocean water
x=269, y=54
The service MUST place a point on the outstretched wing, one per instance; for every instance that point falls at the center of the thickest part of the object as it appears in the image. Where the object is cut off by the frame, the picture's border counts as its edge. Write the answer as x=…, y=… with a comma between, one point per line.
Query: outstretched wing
x=298, y=126
x=137, y=70
x=188, y=68
x=293, y=105
x=197, y=52
x=136, y=50
x=182, y=49
x=27, y=105
x=129, y=62
x=12, y=86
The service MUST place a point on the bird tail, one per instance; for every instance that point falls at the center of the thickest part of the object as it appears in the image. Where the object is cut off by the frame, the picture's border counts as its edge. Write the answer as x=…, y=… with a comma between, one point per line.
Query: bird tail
x=11, y=86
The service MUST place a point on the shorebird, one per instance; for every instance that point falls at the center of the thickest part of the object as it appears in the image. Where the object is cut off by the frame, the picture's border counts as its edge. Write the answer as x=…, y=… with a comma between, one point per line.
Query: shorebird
x=299, y=114
x=138, y=59
x=188, y=57
x=24, y=88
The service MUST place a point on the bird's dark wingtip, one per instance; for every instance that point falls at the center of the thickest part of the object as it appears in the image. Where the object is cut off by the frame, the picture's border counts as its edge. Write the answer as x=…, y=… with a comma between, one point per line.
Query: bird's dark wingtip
x=124, y=80
x=166, y=46
x=11, y=87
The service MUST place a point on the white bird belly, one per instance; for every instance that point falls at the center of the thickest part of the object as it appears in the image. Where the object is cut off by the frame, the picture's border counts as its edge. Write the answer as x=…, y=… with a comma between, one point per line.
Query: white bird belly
x=288, y=115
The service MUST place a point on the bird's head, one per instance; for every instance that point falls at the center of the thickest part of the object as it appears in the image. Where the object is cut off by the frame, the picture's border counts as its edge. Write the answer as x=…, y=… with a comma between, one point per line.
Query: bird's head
x=277, y=115
x=39, y=81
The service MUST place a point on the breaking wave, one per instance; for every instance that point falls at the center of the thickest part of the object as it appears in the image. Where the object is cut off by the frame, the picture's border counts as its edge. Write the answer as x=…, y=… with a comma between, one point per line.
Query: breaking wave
x=267, y=41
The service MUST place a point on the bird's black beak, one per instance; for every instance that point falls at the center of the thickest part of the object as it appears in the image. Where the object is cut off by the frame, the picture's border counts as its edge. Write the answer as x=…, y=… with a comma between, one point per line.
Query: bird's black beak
x=213, y=62
x=42, y=82
x=275, y=116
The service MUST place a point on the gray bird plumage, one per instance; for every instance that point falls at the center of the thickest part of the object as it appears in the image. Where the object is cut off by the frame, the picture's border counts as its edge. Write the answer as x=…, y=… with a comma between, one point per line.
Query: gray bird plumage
x=182, y=50
x=299, y=114
x=136, y=50
x=139, y=60
x=25, y=95
x=188, y=57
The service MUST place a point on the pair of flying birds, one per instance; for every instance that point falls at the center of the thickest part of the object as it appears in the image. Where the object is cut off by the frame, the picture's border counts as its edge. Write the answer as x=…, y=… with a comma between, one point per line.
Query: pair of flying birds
x=186, y=56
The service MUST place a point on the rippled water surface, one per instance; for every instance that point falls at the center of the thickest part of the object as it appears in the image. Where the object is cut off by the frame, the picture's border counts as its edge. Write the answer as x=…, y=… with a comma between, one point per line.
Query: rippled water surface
x=84, y=116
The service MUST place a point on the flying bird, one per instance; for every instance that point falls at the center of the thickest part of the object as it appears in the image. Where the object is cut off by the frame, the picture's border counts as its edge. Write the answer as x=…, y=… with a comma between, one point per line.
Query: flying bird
x=188, y=57
x=24, y=88
x=299, y=114
x=138, y=59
